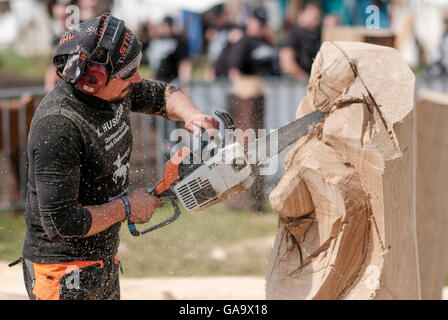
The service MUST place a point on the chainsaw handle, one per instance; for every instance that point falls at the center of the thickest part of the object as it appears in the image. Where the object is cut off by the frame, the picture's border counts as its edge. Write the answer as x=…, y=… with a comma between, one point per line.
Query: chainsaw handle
x=133, y=230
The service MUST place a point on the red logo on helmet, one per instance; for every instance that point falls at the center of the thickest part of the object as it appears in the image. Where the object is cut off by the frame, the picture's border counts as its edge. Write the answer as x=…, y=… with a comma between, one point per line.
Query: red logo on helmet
x=125, y=45
x=66, y=38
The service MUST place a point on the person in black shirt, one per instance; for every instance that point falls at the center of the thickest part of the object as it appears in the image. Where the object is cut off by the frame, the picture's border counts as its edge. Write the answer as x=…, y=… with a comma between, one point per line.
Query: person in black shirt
x=79, y=147
x=297, y=55
x=253, y=54
x=251, y=58
x=222, y=36
x=168, y=55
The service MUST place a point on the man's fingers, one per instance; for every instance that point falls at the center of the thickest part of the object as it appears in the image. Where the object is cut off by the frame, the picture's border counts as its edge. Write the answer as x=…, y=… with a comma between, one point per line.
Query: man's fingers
x=209, y=124
x=156, y=201
x=197, y=128
x=203, y=121
x=159, y=203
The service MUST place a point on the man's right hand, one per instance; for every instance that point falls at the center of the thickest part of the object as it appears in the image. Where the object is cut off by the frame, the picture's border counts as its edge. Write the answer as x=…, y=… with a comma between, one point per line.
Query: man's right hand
x=143, y=205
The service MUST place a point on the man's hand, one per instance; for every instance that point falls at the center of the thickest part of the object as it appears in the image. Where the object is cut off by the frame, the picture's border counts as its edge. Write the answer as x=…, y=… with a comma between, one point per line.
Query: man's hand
x=143, y=205
x=289, y=65
x=180, y=108
x=196, y=121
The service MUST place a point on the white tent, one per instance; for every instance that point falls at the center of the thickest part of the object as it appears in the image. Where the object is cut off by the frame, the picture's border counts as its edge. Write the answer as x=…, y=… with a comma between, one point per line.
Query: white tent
x=26, y=27
x=136, y=11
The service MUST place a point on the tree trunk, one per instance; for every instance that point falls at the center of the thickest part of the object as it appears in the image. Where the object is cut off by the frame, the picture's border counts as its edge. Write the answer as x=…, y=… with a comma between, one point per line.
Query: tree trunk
x=346, y=204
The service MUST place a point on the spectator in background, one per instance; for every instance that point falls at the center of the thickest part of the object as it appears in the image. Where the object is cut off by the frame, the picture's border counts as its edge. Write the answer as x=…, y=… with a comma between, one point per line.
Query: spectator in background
x=144, y=35
x=250, y=59
x=89, y=9
x=297, y=55
x=222, y=35
x=340, y=12
x=59, y=15
x=438, y=65
x=253, y=54
x=167, y=54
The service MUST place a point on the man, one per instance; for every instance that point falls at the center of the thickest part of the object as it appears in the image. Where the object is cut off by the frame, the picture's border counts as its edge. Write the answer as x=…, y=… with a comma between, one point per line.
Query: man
x=79, y=147
x=251, y=58
x=297, y=55
x=253, y=54
x=168, y=54
x=89, y=9
x=59, y=15
x=222, y=35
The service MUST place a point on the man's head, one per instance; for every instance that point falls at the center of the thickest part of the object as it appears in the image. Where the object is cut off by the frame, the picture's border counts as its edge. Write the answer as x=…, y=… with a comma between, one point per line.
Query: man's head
x=310, y=17
x=220, y=15
x=256, y=22
x=100, y=57
x=165, y=28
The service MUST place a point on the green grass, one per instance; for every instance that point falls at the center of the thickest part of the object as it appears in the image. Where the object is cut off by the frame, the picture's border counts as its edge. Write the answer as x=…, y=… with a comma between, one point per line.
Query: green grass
x=18, y=66
x=186, y=247
x=12, y=234
x=212, y=242
x=183, y=248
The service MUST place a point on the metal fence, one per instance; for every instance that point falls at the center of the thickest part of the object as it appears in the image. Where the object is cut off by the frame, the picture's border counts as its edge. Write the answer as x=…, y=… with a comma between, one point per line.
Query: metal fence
x=151, y=134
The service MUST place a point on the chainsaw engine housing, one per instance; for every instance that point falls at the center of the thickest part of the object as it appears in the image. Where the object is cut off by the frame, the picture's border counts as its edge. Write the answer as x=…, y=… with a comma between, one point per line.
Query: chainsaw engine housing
x=225, y=174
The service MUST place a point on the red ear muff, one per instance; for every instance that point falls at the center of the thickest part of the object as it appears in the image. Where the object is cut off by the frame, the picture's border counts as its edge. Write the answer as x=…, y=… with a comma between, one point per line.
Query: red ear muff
x=94, y=79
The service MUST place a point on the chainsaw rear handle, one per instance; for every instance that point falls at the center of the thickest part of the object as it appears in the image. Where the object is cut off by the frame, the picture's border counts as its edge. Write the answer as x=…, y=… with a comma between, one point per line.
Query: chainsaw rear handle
x=133, y=230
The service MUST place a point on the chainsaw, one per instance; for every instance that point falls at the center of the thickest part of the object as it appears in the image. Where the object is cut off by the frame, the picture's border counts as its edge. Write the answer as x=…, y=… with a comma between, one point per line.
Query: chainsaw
x=198, y=182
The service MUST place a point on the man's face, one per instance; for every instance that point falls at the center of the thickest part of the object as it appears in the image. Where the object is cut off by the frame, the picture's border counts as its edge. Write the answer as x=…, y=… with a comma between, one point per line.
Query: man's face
x=310, y=18
x=118, y=88
x=165, y=30
x=254, y=27
x=120, y=83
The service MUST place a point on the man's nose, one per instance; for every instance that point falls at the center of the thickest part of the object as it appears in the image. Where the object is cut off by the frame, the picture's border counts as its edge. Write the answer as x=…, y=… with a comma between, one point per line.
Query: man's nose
x=135, y=78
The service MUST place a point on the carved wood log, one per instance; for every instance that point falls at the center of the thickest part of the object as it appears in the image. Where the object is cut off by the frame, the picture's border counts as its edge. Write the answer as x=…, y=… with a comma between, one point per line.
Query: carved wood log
x=346, y=203
x=432, y=199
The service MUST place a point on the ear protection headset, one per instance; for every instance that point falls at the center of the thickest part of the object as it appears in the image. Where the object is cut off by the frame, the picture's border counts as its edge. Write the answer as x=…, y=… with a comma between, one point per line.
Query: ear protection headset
x=96, y=75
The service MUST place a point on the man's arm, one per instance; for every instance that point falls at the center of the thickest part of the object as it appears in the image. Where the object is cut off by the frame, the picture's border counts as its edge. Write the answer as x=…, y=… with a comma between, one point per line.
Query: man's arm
x=180, y=108
x=185, y=70
x=57, y=154
x=143, y=206
x=160, y=98
x=238, y=58
x=289, y=64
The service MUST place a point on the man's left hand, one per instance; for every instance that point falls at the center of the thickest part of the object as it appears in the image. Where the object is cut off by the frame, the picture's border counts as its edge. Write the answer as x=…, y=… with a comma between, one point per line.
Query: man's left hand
x=200, y=120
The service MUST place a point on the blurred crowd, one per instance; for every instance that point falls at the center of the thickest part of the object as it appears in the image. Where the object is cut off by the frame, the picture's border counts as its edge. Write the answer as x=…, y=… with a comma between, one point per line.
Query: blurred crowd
x=238, y=38
x=246, y=41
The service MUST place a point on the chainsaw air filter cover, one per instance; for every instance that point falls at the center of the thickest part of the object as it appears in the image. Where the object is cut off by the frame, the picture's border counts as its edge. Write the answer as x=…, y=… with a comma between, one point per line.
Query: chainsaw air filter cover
x=221, y=176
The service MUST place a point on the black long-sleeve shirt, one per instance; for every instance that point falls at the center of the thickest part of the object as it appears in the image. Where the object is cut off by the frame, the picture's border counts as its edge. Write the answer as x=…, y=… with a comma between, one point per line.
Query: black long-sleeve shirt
x=78, y=151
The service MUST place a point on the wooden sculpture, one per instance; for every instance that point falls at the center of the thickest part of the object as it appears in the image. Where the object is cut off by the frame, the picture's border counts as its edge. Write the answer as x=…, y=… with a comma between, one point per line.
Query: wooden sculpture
x=346, y=203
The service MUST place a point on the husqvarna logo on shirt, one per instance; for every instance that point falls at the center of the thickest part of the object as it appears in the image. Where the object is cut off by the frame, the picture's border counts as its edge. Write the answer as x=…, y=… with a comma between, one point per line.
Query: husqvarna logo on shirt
x=110, y=124
x=114, y=129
